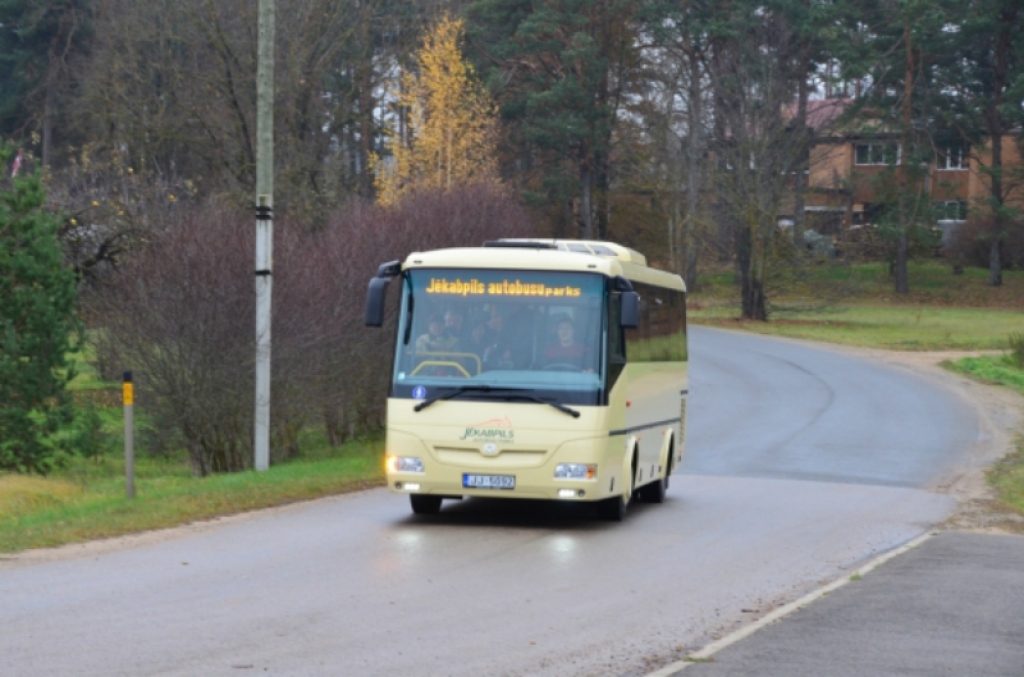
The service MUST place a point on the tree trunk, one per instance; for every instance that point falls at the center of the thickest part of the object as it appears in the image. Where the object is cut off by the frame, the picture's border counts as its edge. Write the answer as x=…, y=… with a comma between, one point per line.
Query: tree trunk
x=800, y=185
x=586, y=195
x=688, y=241
x=601, y=199
x=902, y=254
x=751, y=283
x=48, y=106
x=1000, y=76
x=995, y=269
x=366, y=104
x=903, y=245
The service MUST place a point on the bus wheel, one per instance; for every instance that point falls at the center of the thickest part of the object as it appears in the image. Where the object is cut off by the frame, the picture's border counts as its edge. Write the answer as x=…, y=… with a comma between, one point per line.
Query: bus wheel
x=655, y=491
x=425, y=504
x=612, y=509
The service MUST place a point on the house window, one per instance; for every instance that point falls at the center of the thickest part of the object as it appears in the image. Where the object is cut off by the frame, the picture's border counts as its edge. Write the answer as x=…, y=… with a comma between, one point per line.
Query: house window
x=951, y=210
x=954, y=157
x=877, y=154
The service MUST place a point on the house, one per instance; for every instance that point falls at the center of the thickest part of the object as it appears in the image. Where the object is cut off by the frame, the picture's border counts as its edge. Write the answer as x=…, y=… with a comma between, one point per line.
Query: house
x=848, y=159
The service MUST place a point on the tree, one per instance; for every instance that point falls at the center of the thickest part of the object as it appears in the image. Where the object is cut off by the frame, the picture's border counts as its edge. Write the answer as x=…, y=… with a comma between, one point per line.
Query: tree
x=39, y=41
x=983, y=79
x=38, y=325
x=894, y=46
x=755, y=70
x=450, y=136
x=560, y=71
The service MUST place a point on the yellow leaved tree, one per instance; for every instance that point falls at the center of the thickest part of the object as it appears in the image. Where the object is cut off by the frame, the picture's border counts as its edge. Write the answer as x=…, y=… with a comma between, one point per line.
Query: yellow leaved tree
x=452, y=121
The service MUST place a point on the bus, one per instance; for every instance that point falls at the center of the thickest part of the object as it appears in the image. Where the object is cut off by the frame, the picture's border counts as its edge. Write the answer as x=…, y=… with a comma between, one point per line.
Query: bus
x=535, y=369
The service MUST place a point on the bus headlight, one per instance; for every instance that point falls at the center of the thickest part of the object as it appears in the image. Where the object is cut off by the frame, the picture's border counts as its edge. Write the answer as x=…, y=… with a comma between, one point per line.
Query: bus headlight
x=404, y=464
x=575, y=471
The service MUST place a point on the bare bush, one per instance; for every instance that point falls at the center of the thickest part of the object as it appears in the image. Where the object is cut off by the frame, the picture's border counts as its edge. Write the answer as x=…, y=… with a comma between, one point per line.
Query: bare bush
x=181, y=314
x=971, y=245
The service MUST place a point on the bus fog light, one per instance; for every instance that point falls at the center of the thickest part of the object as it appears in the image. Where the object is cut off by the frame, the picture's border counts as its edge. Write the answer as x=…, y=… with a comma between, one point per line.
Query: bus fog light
x=567, y=493
x=411, y=486
x=575, y=471
x=404, y=464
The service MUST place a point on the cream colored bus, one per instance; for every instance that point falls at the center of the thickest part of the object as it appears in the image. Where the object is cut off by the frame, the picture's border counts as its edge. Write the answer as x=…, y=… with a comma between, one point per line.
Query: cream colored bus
x=553, y=369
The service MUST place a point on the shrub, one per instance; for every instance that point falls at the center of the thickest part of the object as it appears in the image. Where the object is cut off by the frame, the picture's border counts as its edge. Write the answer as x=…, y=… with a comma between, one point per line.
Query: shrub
x=181, y=315
x=969, y=245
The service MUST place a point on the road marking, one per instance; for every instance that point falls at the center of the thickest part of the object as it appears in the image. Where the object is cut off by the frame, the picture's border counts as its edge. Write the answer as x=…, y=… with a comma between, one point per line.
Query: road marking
x=710, y=650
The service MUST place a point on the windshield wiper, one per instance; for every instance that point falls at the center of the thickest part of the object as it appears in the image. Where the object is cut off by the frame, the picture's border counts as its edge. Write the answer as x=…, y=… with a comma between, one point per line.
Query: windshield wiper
x=503, y=393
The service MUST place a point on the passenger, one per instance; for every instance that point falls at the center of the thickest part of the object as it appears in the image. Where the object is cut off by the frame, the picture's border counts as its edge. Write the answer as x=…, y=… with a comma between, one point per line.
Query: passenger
x=497, y=351
x=453, y=324
x=567, y=350
x=436, y=340
x=478, y=340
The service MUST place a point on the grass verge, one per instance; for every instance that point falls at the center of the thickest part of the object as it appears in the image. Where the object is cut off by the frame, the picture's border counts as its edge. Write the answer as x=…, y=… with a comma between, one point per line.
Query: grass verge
x=1008, y=479
x=86, y=500
x=891, y=327
x=853, y=304
x=995, y=369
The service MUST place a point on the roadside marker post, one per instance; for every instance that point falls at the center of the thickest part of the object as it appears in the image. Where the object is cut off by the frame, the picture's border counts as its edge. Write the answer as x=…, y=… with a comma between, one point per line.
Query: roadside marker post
x=128, y=397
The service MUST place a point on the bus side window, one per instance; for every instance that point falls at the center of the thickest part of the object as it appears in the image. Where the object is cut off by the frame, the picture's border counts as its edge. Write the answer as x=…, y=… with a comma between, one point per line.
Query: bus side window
x=638, y=341
x=616, y=346
x=616, y=342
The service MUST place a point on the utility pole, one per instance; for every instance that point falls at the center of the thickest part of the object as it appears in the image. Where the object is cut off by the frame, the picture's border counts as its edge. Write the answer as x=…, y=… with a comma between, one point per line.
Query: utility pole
x=264, y=227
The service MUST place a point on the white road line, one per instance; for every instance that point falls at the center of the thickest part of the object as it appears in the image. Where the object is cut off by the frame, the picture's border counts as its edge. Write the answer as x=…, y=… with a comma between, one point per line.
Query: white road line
x=711, y=649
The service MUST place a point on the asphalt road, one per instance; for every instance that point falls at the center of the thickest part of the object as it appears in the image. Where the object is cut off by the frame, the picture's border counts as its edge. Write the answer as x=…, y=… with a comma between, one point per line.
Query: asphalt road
x=801, y=463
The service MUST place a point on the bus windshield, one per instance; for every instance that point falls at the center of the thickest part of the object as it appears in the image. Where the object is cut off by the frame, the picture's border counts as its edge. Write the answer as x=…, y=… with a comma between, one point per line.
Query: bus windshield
x=536, y=332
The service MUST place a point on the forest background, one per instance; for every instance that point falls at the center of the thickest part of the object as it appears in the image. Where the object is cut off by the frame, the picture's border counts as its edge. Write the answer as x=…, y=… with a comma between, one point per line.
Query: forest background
x=678, y=128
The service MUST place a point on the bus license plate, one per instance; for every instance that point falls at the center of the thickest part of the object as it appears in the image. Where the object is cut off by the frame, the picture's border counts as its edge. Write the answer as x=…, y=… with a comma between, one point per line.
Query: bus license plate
x=488, y=481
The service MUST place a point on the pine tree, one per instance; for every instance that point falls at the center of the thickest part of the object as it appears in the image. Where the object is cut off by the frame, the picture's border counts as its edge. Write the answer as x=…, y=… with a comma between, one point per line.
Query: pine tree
x=982, y=77
x=561, y=70
x=39, y=40
x=451, y=122
x=38, y=324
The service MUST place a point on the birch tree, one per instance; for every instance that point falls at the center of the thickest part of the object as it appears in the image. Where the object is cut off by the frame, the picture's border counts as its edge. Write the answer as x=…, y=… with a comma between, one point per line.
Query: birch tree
x=449, y=139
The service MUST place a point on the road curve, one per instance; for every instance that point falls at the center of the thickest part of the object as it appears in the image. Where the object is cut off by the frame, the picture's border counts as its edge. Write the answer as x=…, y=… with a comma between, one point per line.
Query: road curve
x=801, y=462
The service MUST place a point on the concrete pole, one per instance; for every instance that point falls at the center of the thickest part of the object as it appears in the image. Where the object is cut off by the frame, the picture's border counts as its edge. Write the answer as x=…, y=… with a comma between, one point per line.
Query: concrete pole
x=264, y=227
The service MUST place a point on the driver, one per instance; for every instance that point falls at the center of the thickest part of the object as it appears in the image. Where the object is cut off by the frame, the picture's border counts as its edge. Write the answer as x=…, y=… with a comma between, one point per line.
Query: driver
x=567, y=350
x=436, y=340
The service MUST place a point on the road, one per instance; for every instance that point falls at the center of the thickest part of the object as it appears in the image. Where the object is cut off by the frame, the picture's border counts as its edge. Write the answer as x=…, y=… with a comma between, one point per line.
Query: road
x=801, y=463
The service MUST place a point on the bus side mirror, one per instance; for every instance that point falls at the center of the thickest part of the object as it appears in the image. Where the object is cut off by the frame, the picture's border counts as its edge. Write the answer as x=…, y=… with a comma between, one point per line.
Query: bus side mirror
x=629, y=318
x=378, y=291
x=375, y=297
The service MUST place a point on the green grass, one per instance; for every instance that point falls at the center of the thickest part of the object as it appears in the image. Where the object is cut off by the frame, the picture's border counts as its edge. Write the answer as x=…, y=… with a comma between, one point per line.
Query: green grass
x=855, y=305
x=932, y=282
x=893, y=327
x=997, y=369
x=86, y=500
x=1008, y=479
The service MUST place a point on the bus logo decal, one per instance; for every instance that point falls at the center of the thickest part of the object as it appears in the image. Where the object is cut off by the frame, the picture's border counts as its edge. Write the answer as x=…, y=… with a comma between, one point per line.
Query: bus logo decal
x=493, y=430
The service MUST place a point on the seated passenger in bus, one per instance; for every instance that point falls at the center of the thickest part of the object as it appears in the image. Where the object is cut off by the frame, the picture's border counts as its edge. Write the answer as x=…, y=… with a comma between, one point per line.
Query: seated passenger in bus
x=436, y=340
x=453, y=325
x=497, y=353
x=567, y=350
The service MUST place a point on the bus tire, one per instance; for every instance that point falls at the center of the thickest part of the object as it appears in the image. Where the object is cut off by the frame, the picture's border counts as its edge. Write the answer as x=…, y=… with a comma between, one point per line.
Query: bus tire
x=655, y=491
x=425, y=504
x=612, y=509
